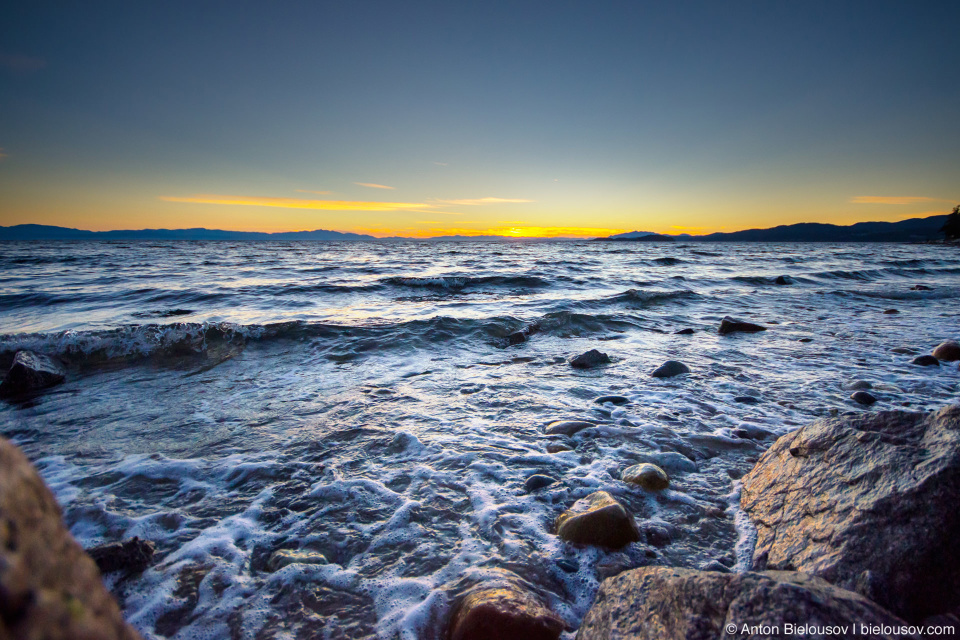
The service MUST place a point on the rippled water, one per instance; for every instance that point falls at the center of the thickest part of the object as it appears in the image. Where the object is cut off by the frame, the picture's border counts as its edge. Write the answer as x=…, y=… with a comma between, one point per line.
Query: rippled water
x=363, y=401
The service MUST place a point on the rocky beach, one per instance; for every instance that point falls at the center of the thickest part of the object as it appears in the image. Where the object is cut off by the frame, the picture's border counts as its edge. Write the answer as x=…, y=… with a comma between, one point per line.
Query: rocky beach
x=541, y=441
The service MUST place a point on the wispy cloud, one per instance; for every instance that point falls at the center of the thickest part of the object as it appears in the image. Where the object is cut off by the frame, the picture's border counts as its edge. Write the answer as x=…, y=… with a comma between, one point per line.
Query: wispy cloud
x=297, y=203
x=21, y=64
x=318, y=193
x=481, y=201
x=372, y=185
x=892, y=199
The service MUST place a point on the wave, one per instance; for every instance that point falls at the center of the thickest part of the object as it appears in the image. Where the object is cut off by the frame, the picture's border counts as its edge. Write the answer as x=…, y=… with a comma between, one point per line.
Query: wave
x=464, y=282
x=647, y=297
x=667, y=261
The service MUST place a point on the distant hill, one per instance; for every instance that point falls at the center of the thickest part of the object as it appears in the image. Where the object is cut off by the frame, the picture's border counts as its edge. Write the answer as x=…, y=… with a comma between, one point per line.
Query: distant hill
x=912, y=230
x=650, y=237
x=632, y=234
x=26, y=232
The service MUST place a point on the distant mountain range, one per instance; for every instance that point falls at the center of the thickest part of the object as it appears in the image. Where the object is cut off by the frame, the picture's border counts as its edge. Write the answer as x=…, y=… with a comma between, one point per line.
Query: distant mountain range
x=912, y=230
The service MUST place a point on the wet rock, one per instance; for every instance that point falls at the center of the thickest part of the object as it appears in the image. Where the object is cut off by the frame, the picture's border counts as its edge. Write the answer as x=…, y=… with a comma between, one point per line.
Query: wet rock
x=671, y=461
x=862, y=397
x=948, y=351
x=568, y=566
x=558, y=448
x=730, y=325
x=746, y=400
x=506, y=611
x=752, y=432
x=684, y=332
x=517, y=337
x=805, y=340
x=858, y=385
x=658, y=534
x=891, y=312
x=538, y=481
x=868, y=502
x=132, y=556
x=921, y=287
x=590, y=359
x=29, y=373
x=669, y=369
x=783, y=280
x=283, y=557
x=666, y=603
x=49, y=588
x=649, y=476
x=715, y=565
x=567, y=427
x=925, y=361
x=906, y=351
x=598, y=520
x=612, y=399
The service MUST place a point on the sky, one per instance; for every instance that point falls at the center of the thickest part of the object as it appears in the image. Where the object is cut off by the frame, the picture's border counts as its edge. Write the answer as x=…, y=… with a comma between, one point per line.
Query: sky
x=557, y=118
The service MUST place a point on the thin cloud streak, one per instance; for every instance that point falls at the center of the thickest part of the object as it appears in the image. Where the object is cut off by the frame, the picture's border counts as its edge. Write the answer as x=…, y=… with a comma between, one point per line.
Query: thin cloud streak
x=482, y=201
x=892, y=199
x=296, y=203
x=372, y=185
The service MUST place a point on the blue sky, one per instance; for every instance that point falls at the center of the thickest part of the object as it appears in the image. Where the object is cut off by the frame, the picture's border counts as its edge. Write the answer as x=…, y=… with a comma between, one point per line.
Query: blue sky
x=525, y=118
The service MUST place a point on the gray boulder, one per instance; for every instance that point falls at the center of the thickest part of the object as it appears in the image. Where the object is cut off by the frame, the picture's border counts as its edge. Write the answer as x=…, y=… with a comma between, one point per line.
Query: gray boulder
x=29, y=373
x=731, y=325
x=598, y=520
x=669, y=369
x=867, y=502
x=665, y=603
x=590, y=359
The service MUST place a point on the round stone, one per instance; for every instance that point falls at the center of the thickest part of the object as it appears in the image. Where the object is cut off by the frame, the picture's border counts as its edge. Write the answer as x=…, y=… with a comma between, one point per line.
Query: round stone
x=649, y=476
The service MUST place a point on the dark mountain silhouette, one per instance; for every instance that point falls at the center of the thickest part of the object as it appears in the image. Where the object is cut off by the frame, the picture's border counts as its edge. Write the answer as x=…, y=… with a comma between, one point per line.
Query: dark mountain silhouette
x=912, y=230
x=44, y=232
x=650, y=237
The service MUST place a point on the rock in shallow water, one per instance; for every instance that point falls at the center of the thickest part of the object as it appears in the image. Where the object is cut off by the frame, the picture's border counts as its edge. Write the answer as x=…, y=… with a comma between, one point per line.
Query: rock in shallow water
x=567, y=427
x=732, y=325
x=925, y=361
x=868, y=502
x=283, y=557
x=862, y=397
x=669, y=369
x=612, y=399
x=590, y=359
x=49, y=588
x=132, y=555
x=598, y=520
x=783, y=280
x=665, y=603
x=506, y=611
x=538, y=481
x=649, y=476
x=30, y=372
x=684, y=332
x=948, y=351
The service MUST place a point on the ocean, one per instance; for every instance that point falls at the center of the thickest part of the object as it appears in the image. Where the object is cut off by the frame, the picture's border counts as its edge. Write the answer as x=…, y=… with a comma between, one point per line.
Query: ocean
x=365, y=402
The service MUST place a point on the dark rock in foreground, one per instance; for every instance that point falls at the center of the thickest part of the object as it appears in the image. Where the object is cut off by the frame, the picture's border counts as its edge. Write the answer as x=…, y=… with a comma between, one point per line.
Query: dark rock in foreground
x=132, y=556
x=49, y=588
x=862, y=397
x=867, y=502
x=925, y=361
x=649, y=476
x=669, y=369
x=948, y=351
x=567, y=427
x=538, y=481
x=731, y=325
x=505, y=611
x=590, y=359
x=664, y=603
x=600, y=520
x=29, y=373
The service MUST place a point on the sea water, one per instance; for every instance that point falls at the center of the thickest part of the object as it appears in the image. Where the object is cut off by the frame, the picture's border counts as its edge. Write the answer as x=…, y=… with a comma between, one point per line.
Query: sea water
x=363, y=401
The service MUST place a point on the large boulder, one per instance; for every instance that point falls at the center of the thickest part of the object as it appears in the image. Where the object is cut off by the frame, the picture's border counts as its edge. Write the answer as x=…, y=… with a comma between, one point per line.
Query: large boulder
x=590, y=359
x=666, y=603
x=49, y=588
x=503, y=610
x=599, y=520
x=29, y=373
x=867, y=502
x=948, y=351
x=732, y=325
x=669, y=369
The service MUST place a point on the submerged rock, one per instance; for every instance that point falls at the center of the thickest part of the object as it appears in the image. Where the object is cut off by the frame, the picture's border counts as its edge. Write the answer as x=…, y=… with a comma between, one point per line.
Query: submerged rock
x=731, y=325
x=783, y=280
x=49, y=588
x=30, y=372
x=746, y=400
x=921, y=287
x=925, y=361
x=868, y=502
x=283, y=557
x=666, y=603
x=684, y=332
x=538, y=481
x=558, y=448
x=598, y=520
x=505, y=611
x=862, y=397
x=612, y=399
x=903, y=351
x=132, y=556
x=669, y=369
x=567, y=427
x=590, y=359
x=858, y=385
x=649, y=476
x=890, y=312
x=948, y=351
